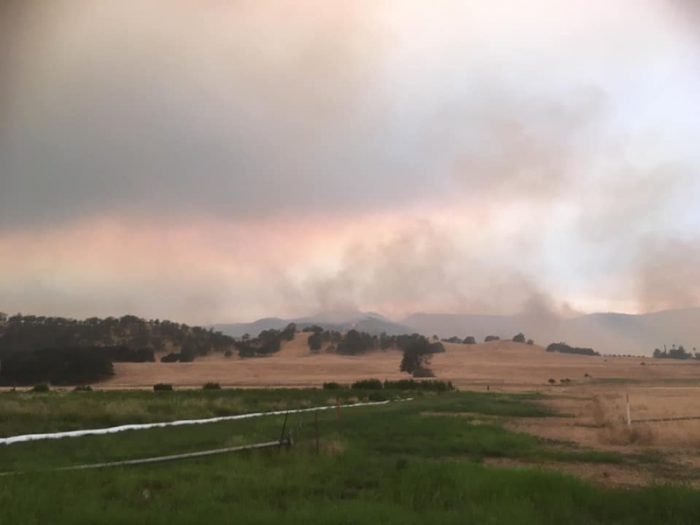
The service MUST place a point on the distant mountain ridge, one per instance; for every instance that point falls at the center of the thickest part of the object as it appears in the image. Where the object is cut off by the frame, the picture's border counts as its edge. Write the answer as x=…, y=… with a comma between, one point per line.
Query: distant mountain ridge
x=607, y=333
x=369, y=322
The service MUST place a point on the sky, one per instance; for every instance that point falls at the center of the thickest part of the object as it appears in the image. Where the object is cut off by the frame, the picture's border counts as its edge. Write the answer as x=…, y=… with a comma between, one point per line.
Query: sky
x=213, y=161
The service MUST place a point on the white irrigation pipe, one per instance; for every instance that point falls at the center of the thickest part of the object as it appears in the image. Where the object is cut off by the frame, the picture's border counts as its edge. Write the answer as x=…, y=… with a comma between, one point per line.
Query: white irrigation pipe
x=144, y=426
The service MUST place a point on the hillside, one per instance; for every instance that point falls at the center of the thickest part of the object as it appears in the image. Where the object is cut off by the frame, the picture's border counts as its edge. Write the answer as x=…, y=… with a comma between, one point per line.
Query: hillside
x=608, y=333
x=500, y=364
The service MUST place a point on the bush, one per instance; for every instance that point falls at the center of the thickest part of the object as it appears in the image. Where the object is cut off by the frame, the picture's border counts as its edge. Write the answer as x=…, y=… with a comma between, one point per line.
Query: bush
x=41, y=387
x=530, y=342
x=83, y=388
x=162, y=387
x=490, y=338
x=376, y=397
x=412, y=384
x=332, y=386
x=172, y=357
x=211, y=386
x=469, y=340
x=519, y=338
x=367, y=384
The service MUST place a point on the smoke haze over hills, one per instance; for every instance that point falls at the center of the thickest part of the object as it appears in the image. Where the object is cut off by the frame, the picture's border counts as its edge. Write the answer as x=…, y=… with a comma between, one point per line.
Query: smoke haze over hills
x=211, y=160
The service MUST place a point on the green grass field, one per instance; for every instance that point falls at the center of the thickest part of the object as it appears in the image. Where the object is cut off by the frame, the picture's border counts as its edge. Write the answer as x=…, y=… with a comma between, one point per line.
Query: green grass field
x=406, y=462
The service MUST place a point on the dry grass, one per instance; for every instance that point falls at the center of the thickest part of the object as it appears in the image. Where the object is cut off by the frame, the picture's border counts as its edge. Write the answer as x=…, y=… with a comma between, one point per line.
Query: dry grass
x=501, y=365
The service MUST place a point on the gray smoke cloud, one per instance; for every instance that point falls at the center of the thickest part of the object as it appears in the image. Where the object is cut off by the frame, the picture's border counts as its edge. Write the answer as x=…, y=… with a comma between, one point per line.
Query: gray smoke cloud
x=669, y=274
x=286, y=109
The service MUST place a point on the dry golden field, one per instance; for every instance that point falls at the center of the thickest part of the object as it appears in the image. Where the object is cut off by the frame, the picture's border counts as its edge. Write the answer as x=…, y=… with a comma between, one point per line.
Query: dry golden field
x=501, y=365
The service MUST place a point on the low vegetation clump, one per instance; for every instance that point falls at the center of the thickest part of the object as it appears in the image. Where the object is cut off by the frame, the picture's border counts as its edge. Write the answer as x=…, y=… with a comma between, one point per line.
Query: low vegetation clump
x=177, y=357
x=211, y=386
x=563, y=348
x=162, y=387
x=41, y=387
x=411, y=384
x=406, y=385
x=367, y=384
x=82, y=388
x=490, y=338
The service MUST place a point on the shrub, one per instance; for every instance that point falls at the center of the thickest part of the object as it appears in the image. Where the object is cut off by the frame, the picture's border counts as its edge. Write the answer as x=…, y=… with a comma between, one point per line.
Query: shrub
x=211, y=386
x=172, y=357
x=412, y=384
x=332, y=386
x=519, y=338
x=377, y=397
x=530, y=342
x=552, y=381
x=41, y=387
x=162, y=387
x=367, y=384
x=82, y=388
x=490, y=338
x=469, y=340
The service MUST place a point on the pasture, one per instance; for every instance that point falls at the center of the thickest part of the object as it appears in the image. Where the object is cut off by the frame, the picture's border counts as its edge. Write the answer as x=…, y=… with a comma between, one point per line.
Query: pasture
x=438, y=458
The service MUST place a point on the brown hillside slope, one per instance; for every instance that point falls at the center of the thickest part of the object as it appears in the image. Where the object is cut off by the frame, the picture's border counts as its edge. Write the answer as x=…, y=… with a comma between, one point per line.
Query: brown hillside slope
x=501, y=364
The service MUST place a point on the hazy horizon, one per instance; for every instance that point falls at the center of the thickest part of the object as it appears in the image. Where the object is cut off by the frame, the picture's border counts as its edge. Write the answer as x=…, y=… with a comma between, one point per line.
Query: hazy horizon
x=221, y=162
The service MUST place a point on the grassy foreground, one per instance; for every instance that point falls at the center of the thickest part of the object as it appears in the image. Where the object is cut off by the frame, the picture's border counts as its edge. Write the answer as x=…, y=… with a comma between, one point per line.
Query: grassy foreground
x=407, y=462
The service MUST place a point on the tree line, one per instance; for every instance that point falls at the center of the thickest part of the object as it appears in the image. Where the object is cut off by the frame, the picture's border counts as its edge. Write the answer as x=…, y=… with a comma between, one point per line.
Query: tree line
x=676, y=353
x=22, y=333
x=563, y=348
